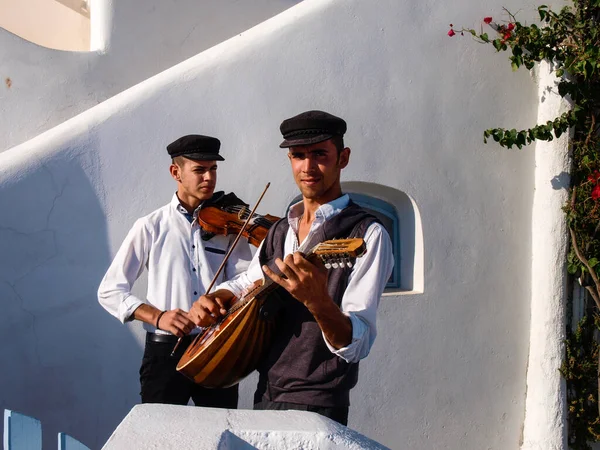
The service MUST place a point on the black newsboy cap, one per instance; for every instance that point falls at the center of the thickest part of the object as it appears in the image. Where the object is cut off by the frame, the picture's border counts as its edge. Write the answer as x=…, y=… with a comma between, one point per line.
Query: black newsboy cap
x=196, y=147
x=310, y=127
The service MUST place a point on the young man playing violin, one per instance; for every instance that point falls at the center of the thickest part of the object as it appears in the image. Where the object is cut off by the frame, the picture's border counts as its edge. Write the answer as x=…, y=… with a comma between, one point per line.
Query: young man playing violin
x=326, y=322
x=181, y=260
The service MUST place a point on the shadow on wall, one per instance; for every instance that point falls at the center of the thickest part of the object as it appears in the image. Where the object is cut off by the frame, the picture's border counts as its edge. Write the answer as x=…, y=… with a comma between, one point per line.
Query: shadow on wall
x=408, y=253
x=64, y=360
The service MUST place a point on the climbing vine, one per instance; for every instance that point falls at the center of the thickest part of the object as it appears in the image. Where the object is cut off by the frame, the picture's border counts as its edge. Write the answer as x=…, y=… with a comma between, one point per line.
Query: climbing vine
x=570, y=40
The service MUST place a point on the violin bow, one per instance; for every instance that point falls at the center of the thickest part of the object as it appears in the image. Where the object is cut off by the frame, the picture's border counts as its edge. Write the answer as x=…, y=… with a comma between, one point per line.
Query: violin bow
x=228, y=254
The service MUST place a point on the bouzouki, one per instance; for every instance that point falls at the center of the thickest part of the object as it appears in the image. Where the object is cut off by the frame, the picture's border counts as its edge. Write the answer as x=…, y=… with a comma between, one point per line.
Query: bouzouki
x=226, y=352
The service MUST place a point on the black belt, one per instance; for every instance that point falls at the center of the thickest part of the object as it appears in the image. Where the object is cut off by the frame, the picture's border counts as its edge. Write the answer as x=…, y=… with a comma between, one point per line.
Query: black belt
x=168, y=338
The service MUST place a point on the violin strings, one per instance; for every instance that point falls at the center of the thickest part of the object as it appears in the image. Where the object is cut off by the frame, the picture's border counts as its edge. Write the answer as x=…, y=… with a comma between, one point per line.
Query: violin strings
x=258, y=219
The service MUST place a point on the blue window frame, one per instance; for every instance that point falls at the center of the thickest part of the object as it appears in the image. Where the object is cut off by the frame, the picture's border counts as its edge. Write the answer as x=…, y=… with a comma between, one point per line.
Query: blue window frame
x=388, y=216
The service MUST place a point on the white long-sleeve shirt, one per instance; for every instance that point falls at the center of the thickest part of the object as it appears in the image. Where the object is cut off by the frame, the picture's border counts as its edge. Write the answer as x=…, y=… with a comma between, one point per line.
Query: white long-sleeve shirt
x=180, y=263
x=365, y=285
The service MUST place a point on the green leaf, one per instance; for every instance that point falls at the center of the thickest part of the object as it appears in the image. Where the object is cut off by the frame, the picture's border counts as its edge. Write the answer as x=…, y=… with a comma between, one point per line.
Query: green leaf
x=558, y=132
x=484, y=37
x=542, y=12
x=588, y=69
x=486, y=135
x=498, y=134
x=593, y=262
x=564, y=87
x=521, y=139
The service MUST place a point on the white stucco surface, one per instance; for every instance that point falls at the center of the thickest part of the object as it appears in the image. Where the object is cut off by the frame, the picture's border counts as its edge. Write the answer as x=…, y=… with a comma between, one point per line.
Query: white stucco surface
x=185, y=427
x=449, y=367
x=545, y=410
x=130, y=41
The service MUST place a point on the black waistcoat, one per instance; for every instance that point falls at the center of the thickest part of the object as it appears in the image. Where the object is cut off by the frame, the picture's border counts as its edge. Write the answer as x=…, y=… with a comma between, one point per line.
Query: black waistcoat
x=299, y=368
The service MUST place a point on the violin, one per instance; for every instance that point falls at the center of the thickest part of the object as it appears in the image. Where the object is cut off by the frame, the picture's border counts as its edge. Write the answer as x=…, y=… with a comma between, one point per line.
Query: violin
x=227, y=215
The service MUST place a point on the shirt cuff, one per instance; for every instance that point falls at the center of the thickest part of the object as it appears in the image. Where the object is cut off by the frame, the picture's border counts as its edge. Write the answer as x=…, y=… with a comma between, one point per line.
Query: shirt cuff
x=231, y=287
x=352, y=352
x=127, y=307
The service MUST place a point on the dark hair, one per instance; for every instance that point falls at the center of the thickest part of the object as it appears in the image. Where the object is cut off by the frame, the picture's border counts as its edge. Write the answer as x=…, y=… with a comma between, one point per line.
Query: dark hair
x=338, y=141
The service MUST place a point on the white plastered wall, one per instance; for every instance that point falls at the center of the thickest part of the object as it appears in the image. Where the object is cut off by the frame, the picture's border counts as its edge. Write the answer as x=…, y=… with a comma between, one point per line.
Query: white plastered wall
x=449, y=367
x=130, y=41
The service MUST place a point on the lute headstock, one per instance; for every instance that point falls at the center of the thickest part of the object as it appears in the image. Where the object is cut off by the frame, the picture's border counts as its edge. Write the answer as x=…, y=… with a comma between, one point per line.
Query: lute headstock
x=337, y=252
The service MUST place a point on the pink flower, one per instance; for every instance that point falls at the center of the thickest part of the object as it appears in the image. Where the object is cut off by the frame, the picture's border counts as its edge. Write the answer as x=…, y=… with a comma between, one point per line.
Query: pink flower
x=596, y=192
x=451, y=32
x=487, y=20
x=510, y=26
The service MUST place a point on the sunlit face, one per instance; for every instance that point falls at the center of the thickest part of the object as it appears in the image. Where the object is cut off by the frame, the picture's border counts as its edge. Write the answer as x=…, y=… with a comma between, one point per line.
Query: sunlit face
x=317, y=169
x=195, y=179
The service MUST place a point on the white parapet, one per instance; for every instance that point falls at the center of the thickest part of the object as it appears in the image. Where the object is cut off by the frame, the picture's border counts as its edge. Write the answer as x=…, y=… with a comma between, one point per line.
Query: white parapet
x=189, y=427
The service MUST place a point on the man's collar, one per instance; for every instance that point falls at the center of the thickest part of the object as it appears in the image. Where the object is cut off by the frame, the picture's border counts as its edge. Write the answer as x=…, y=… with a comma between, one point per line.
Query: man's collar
x=176, y=204
x=325, y=211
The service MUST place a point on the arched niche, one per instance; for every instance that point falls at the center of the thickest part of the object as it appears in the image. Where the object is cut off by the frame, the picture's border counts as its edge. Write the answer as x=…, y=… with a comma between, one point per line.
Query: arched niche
x=400, y=215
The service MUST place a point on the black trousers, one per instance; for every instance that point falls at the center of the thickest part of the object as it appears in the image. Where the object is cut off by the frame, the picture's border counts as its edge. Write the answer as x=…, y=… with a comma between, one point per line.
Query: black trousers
x=339, y=414
x=161, y=383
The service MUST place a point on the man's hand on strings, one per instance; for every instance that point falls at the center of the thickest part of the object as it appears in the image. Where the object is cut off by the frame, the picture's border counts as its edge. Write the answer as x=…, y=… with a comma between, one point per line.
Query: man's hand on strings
x=304, y=280
x=210, y=307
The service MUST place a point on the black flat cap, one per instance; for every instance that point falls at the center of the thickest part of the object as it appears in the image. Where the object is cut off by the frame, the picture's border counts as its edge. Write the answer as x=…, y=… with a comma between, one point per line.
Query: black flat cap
x=196, y=147
x=310, y=127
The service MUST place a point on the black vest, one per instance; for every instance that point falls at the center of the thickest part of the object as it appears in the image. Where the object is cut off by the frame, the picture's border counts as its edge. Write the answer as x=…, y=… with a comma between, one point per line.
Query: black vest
x=299, y=368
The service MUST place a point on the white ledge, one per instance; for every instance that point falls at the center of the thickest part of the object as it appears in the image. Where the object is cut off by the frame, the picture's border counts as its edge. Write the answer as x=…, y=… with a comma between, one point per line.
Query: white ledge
x=189, y=427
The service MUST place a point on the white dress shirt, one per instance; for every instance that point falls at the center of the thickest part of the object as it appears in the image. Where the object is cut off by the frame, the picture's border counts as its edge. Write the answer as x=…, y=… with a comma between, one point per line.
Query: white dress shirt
x=365, y=284
x=180, y=263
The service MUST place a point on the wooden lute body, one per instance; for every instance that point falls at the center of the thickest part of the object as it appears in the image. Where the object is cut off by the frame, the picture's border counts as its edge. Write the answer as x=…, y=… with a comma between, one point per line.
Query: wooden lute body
x=226, y=352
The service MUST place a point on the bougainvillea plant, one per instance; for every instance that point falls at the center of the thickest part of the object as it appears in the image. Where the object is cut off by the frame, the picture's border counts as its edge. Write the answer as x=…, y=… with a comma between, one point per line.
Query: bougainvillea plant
x=570, y=41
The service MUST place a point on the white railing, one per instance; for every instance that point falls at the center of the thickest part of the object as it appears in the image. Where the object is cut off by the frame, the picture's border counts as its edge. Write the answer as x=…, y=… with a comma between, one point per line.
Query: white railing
x=22, y=432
